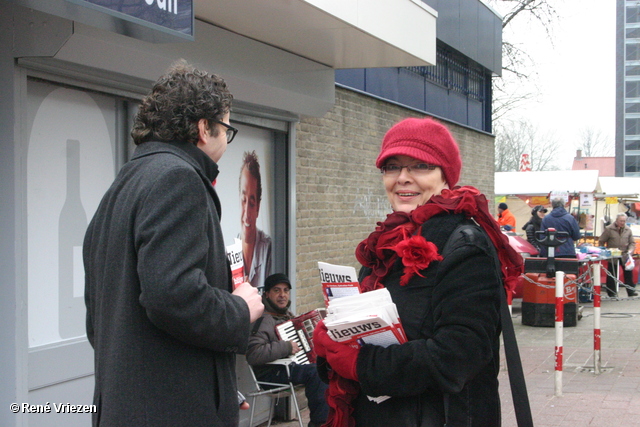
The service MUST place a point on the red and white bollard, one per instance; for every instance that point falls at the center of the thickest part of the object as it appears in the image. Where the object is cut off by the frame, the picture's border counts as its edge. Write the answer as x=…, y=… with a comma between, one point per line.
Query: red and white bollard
x=559, y=325
x=596, y=318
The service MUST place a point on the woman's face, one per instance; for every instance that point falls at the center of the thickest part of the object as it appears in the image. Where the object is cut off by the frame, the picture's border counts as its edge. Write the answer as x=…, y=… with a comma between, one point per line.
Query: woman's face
x=540, y=214
x=411, y=187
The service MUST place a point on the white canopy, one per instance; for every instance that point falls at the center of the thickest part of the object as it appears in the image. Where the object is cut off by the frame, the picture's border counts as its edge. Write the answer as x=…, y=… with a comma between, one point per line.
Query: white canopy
x=542, y=183
x=623, y=187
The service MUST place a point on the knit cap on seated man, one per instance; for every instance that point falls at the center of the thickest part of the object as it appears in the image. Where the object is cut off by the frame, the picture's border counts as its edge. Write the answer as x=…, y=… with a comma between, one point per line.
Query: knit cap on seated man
x=275, y=279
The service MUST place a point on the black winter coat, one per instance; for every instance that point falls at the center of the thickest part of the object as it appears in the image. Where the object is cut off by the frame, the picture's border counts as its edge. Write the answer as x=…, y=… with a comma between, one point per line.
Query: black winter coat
x=160, y=316
x=534, y=224
x=447, y=373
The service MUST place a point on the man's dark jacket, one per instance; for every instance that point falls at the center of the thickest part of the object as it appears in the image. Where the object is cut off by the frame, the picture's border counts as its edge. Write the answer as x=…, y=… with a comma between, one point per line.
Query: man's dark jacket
x=264, y=344
x=448, y=372
x=561, y=220
x=160, y=317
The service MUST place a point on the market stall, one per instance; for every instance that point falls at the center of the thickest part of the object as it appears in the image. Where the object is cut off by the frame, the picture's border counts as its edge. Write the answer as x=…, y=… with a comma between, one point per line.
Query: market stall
x=524, y=190
x=594, y=201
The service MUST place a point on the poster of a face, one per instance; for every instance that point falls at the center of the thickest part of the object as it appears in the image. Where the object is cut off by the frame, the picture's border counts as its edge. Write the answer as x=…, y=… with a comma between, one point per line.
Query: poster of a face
x=245, y=188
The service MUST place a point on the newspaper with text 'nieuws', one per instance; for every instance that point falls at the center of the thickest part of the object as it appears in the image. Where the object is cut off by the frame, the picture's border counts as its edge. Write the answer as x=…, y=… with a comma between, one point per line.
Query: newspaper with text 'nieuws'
x=236, y=261
x=337, y=281
x=369, y=318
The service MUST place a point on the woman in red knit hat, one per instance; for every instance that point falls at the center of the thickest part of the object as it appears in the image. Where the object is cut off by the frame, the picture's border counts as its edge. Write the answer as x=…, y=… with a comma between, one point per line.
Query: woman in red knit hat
x=443, y=259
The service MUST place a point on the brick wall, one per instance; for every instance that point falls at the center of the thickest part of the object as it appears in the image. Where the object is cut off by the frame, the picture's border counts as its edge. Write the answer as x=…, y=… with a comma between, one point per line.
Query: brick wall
x=339, y=190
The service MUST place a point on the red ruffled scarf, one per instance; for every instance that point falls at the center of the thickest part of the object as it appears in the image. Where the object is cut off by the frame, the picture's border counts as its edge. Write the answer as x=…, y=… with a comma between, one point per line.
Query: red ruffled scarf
x=396, y=237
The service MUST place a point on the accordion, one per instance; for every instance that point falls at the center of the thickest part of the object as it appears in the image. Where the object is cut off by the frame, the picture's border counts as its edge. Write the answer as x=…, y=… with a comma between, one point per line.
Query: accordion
x=300, y=330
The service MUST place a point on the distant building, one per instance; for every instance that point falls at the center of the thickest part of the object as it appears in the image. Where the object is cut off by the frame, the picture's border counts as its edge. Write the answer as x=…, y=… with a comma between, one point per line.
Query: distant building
x=627, y=160
x=605, y=165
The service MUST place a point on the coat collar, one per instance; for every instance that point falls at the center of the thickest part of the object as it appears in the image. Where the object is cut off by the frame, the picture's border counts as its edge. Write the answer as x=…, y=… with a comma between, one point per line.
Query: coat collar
x=189, y=152
x=204, y=166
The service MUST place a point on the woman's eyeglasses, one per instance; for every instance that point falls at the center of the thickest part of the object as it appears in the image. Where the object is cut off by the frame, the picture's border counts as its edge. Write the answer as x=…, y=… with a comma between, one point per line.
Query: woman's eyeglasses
x=231, y=131
x=415, y=169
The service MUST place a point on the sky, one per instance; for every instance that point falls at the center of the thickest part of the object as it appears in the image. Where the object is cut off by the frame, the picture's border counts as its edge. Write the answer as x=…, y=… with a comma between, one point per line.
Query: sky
x=574, y=73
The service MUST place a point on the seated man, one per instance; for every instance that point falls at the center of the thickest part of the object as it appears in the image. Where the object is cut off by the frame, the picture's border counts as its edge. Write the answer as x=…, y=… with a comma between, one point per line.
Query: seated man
x=264, y=347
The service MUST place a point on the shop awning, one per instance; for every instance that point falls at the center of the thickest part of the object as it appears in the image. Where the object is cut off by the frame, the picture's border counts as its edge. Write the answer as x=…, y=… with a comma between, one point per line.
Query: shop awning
x=337, y=33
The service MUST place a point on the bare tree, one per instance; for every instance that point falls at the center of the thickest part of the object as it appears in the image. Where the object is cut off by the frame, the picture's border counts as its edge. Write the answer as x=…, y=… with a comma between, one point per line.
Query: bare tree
x=517, y=65
x=594, y=143
x=513, y=139
x=540, y=10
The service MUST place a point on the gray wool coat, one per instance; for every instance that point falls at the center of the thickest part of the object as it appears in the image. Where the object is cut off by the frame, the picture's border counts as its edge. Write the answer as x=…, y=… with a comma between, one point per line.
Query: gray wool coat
x=160, y=316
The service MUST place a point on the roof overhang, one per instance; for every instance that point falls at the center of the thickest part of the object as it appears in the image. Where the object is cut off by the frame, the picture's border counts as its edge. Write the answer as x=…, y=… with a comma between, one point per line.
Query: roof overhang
x=338, y=33
x=543, y=182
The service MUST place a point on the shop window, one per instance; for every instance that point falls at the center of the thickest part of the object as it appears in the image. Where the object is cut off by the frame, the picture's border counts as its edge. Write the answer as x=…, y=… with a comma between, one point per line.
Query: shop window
x=246, y=218
x=75, y=144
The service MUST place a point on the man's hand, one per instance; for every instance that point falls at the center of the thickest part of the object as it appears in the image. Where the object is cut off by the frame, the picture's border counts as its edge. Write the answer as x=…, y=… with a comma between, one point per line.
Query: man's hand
x=251, y=297
x=294, y=347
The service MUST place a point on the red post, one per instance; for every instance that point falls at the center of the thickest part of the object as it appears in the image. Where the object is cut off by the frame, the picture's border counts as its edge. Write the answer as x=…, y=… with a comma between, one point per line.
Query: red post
x=596, y=318
x=559, y=325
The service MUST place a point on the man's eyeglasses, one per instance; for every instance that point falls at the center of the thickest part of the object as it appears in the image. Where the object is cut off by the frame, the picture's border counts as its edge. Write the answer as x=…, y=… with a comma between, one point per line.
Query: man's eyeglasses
x=415, y=169
x=231, y=131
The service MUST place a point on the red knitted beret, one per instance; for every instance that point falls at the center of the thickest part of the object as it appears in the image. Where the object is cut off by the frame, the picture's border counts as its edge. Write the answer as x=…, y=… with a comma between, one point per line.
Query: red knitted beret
x=426, y=140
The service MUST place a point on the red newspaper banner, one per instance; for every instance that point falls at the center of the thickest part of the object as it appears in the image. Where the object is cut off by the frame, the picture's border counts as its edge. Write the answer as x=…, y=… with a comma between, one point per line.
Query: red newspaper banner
x=236, y=261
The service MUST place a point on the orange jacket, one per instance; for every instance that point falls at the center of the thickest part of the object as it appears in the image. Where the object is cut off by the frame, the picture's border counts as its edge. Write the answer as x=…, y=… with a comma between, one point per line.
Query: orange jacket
x=507, y=218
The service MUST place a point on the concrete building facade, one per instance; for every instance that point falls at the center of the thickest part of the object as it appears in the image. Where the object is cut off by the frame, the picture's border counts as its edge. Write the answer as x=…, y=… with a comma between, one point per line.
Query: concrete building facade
x=627, y=88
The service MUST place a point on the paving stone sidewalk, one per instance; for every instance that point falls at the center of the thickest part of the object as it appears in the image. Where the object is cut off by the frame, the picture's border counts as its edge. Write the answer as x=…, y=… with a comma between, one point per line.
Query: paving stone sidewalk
x=611, y=398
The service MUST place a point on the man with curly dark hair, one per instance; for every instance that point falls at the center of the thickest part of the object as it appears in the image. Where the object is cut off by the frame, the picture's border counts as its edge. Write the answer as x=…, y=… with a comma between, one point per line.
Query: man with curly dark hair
x=162, y=316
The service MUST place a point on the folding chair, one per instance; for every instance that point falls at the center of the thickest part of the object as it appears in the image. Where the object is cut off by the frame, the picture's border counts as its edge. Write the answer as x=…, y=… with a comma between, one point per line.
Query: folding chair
x=275, y=390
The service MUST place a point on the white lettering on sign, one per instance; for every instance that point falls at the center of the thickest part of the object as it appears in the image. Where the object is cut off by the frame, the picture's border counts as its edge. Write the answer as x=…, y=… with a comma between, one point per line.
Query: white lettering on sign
x=168, y=5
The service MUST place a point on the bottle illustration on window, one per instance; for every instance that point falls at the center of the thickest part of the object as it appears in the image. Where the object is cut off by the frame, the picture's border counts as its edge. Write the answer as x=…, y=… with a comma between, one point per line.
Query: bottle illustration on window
x=71, y=228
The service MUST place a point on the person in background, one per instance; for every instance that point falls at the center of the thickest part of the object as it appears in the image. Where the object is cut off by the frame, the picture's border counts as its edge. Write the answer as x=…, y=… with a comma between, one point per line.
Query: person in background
x=619, y=236
x=161, y=316
x=632, y=213
x=265, y=347
x=561, y=220
x=256, y=244
x=506, y=218
x=534, y=224
x=442, y=257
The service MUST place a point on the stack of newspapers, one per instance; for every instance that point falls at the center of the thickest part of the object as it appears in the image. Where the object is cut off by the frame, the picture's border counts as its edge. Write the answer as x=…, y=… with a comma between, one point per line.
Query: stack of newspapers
x=369, y=318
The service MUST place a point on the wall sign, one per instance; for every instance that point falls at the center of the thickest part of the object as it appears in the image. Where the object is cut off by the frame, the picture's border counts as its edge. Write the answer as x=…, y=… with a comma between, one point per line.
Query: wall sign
x=586, y=200
x=173, y=15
